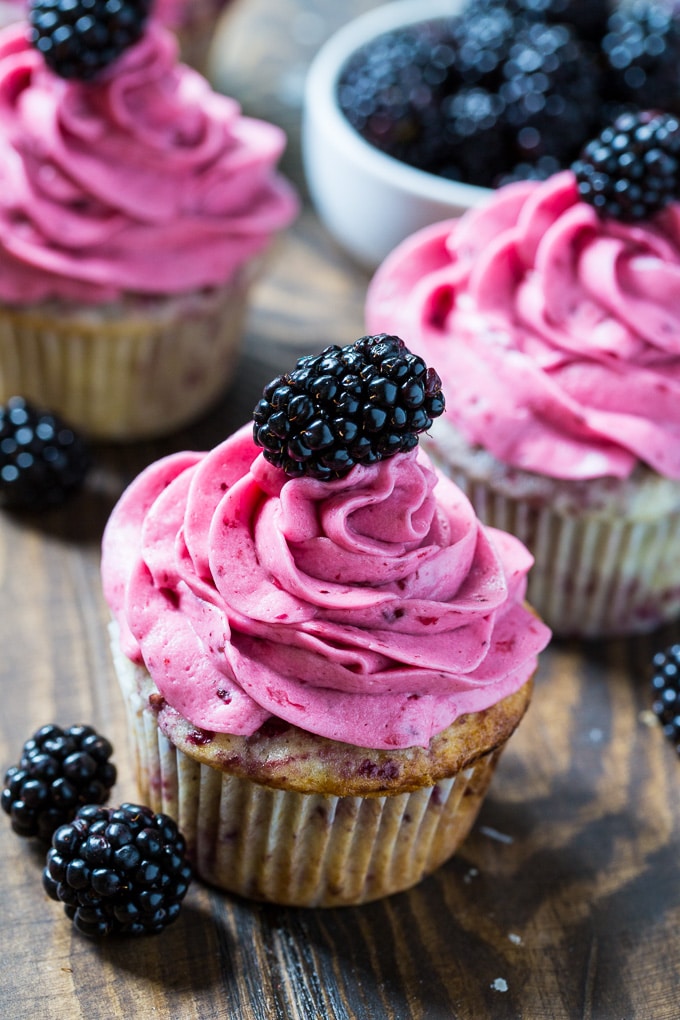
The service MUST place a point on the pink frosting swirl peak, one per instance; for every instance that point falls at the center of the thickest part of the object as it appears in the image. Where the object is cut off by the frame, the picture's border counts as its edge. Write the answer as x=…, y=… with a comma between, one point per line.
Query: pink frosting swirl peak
x=144, y=181
x=373, y=609
x=557, y=333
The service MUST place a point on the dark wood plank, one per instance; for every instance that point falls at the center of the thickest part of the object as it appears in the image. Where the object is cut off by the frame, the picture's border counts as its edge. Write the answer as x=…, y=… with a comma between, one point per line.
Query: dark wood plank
x=565, y=900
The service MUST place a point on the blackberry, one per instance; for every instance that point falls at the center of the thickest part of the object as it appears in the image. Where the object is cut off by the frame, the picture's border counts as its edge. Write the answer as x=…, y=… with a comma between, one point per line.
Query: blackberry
x=641, y=53
x=60, y=770
x=390, y=90
x=118, y=870
x=632, y=169
x=549, y=80
x=666, y=692
x=345, y=406
x=42, y=459
x=79, y=38
x=588, y=18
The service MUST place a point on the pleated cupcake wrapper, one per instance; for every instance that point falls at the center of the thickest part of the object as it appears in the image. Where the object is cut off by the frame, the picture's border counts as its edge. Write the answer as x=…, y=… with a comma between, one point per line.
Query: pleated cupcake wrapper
x=141, y=375
x=592, y=576
x=294, y=848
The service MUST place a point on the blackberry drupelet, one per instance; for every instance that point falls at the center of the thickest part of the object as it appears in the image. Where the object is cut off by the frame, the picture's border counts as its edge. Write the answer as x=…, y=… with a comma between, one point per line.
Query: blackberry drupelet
x=641, y=53
x=42, y=459
x=60, y=770
x=118, y=870
x=345, y=406
x=666, y=692
x=79, y=38
x=632, y=169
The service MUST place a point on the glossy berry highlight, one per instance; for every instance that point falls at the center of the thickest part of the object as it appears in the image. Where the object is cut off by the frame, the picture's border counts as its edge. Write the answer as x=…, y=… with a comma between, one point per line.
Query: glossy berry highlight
x=118, y=871
x=59, y=771
x=345, y=406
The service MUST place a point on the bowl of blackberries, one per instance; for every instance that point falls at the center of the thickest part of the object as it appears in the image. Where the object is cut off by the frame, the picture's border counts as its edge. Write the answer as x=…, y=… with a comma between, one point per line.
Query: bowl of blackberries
x=415, y=110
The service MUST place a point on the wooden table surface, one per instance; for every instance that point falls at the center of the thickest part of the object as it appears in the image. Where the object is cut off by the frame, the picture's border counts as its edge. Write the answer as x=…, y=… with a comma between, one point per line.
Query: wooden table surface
x=564, y=902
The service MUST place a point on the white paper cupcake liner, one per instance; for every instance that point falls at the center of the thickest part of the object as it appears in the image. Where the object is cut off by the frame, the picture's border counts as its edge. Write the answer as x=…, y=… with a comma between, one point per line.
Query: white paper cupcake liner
x=607, y=553
x=128, y=372
x=299, y=849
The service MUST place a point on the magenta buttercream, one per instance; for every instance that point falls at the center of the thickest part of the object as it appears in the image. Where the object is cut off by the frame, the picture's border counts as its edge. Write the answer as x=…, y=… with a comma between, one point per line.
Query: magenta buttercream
x=374, y=609
x=556, y=332
x=144, y=181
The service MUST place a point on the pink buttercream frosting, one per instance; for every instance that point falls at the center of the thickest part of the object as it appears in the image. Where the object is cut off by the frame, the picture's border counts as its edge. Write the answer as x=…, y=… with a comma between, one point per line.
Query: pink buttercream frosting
x=374, y=609
x=144, y=181
x=557, y=333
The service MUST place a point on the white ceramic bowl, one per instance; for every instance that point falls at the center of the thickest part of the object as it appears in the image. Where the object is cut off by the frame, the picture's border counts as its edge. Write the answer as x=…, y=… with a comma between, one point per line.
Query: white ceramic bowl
x=367, y=200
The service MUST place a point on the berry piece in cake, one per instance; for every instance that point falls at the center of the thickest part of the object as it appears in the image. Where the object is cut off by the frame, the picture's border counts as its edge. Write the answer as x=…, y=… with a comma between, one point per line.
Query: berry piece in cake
x=59, y=771
x=666, y=692
x=631, y=170
x=79, y=38
x=118, y=870
x=345, y=406
x=641, y=52
x=42, y=459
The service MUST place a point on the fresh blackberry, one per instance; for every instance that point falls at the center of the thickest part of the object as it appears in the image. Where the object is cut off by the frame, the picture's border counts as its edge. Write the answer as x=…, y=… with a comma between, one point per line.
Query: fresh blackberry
x=666, y=692
x=60, y=770
x=79, y=38
x=118, y=870
x=641, y=52
x=345, y=406
x=42, y=459
x=588, y=18
x=549, y=81
x=390, y=90
x=483, y=37
x=632, y=169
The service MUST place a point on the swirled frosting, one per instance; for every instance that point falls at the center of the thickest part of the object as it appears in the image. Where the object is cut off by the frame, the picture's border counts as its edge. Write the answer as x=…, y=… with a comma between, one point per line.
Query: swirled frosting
x=557, y=333
x=374, y=609
x=144, y=181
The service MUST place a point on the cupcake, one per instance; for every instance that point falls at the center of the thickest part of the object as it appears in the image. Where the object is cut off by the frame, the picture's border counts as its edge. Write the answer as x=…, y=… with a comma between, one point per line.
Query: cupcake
x=137, y=208
x=321, y=650
x=552, y=315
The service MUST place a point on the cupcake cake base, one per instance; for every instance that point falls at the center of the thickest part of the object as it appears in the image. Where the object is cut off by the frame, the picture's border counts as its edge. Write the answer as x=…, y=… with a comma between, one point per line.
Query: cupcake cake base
x=606, y=549
x=291, y=818
x=137, y=369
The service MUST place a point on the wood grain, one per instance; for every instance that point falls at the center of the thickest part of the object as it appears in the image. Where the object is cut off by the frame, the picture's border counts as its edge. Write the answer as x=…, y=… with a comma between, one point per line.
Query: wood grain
x=563, y=903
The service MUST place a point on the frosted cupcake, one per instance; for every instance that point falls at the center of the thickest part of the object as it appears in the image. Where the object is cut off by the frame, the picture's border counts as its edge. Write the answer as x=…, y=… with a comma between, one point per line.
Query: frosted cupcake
x=137, y=206
x=552, y=314
x=321, y=650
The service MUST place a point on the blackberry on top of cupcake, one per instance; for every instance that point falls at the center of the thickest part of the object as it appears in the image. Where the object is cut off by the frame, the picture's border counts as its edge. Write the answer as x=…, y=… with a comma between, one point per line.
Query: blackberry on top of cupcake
x=552, y=315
